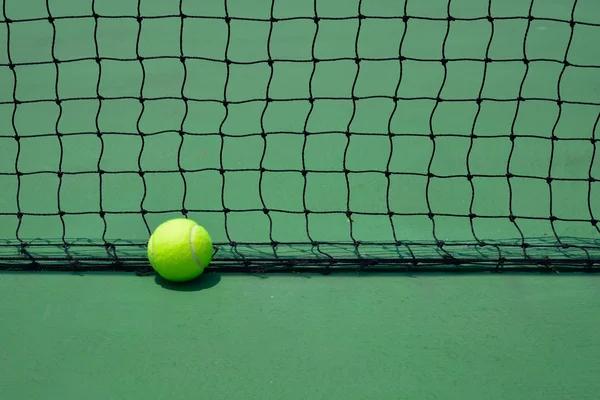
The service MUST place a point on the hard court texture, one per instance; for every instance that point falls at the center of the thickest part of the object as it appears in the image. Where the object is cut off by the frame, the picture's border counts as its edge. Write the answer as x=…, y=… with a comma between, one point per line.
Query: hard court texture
x=300, y=337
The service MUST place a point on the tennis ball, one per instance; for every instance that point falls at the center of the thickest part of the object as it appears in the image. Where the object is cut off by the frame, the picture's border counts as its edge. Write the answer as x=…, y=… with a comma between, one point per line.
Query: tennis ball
x=179, y=250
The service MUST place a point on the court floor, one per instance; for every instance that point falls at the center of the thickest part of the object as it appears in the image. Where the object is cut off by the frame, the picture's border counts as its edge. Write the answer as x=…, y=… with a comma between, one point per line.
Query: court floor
x=122, y=336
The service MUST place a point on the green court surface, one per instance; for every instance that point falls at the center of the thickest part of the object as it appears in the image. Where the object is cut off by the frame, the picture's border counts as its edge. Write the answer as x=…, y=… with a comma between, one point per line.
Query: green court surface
x=404, y=135
x=300, y=337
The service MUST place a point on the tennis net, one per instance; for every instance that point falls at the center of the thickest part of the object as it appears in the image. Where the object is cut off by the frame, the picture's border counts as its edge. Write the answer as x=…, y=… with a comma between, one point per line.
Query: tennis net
x=307, y=134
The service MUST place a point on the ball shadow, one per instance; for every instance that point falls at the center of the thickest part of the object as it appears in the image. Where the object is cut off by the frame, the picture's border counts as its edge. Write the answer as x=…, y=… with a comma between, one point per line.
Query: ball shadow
x=204, y=281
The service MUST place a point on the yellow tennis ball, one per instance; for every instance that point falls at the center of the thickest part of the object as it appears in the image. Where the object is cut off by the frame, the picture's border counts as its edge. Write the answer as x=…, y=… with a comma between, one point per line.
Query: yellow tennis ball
x=179, y=250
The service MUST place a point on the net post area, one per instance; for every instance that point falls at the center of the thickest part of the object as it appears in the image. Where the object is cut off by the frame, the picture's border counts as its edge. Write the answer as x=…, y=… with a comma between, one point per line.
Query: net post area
x=304, y=136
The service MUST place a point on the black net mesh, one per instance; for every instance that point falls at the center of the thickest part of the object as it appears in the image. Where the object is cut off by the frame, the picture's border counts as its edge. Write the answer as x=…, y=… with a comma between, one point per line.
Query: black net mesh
x=301, y=134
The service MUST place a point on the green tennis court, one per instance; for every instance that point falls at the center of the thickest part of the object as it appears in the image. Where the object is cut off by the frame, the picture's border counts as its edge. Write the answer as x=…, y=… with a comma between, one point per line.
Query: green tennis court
x=403, y=198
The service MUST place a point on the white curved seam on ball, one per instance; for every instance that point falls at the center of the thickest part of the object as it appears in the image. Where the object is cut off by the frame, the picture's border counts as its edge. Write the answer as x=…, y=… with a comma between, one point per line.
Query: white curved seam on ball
x=194, y=247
